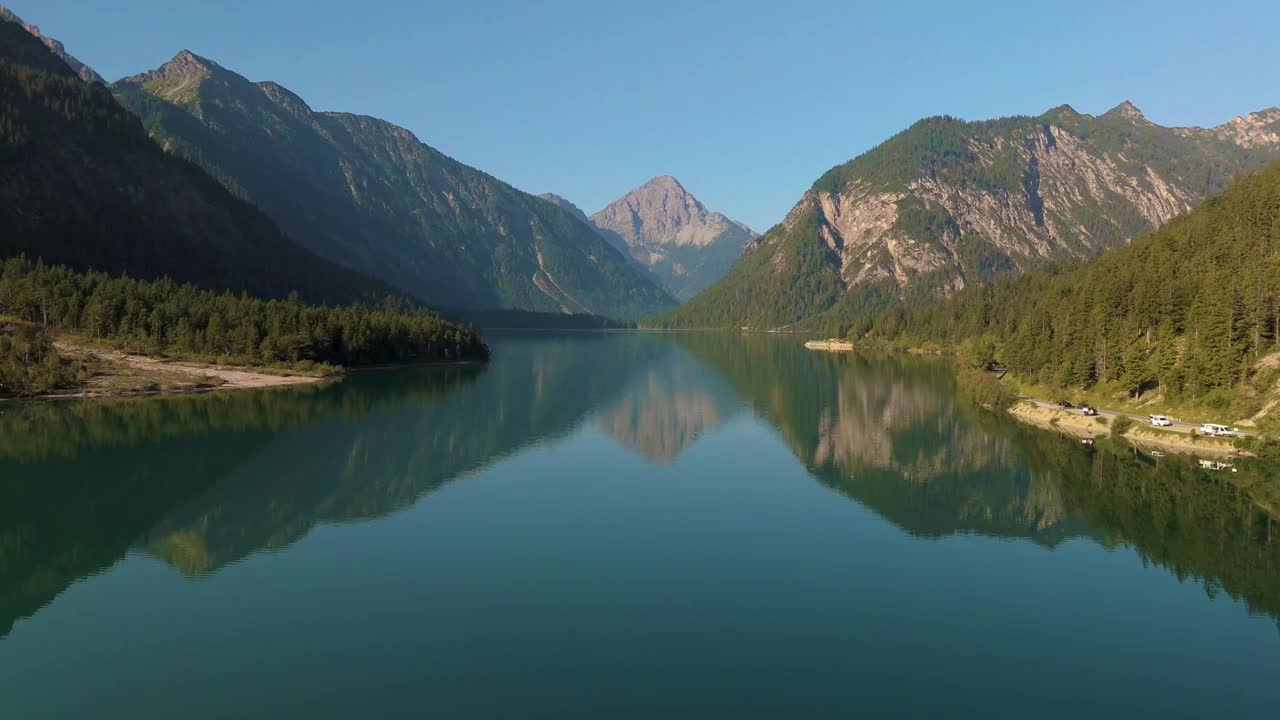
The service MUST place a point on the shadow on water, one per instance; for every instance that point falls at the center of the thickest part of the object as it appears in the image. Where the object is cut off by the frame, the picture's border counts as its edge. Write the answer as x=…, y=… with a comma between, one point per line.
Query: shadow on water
x=204, y=481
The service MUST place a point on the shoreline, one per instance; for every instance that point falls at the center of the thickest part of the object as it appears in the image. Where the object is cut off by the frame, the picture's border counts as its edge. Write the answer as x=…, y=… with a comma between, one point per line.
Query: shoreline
x=81, y=394
x=1039, y=414
x=117, y=374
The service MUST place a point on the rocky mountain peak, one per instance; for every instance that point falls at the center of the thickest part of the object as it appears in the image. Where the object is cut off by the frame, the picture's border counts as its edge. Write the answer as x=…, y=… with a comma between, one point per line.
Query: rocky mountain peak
x=660, y=212
x=1128, y=110
x=668, y=231
x=662, y=226
x=85, y=72
x=185, y=69
x=664, y=183
x=181, y=79
x=187, y=64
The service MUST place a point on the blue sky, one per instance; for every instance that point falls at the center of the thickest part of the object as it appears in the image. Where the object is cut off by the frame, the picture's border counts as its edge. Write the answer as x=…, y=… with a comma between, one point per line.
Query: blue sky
x=746, y=103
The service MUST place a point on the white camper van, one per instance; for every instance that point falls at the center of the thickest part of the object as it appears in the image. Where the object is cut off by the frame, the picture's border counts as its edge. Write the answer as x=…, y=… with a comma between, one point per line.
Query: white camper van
x=1215, y=430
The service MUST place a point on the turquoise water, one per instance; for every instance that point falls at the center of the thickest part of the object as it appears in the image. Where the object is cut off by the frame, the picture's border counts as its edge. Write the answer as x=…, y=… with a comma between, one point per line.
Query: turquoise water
x=620, y=525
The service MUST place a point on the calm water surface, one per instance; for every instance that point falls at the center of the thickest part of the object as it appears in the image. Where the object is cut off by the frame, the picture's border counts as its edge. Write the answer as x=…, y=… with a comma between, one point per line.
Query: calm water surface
x=620, y=525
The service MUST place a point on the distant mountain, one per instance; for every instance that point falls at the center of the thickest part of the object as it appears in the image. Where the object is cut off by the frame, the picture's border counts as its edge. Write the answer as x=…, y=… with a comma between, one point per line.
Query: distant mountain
x=949, y=203
x=369, y=195
x=85, y=72
x=82, y=184
x=667, y=230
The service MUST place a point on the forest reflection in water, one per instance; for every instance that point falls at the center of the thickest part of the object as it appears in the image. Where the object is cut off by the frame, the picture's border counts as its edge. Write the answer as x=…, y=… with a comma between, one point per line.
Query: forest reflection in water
x=205, y=481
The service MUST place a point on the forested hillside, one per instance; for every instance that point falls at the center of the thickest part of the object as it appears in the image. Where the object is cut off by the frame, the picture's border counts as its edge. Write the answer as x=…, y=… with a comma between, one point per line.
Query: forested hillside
x=82, y=184
x=948, y=204
x=1188, y=310
x=367, y=194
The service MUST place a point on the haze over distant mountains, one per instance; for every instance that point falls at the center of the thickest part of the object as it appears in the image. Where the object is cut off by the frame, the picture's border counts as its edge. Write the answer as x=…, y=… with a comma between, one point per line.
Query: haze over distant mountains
x=948, y=203
x=667, y=230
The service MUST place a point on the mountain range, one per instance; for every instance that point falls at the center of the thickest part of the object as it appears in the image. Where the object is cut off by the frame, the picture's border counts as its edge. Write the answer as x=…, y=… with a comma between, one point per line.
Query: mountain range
x=82, y=184
x=369, y=195
x=237, y=184
x=668, y=231
x=949, y=203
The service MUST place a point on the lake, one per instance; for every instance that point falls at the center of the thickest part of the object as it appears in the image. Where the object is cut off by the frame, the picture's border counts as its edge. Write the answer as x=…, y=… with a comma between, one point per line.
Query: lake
x=619, y=525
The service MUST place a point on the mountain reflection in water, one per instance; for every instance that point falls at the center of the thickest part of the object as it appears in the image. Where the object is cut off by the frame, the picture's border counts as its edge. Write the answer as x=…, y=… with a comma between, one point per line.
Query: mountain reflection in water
x=205, y=481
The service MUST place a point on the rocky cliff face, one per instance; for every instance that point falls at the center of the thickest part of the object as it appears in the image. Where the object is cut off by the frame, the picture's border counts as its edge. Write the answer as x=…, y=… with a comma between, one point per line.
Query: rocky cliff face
x=85, y=72
x=1260, y=129
x=949, y=203
x=369, y=195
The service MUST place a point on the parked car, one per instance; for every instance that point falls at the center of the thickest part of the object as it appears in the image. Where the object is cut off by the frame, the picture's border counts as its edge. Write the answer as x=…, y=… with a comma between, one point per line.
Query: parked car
x=1160, y=421
x=1065, y=405
x=1216, y=430
x=1091, y=412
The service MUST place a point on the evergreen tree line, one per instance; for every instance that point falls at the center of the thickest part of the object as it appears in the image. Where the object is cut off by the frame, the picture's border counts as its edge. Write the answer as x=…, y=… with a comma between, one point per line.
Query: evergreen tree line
x=162, y=317
x=29, y=363
x=1189, y=309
